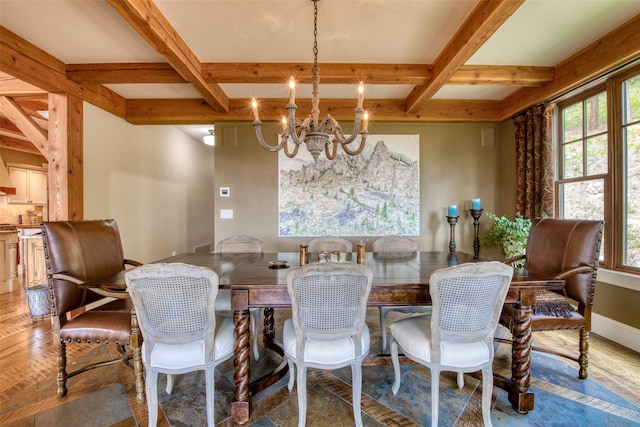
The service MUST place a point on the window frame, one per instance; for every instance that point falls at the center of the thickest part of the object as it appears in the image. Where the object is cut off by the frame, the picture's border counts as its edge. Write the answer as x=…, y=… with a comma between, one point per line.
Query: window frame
x=614, y=200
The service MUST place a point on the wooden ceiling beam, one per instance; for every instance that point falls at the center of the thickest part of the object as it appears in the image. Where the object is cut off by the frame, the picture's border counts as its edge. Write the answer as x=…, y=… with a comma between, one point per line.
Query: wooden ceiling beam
x=23, y=60
x=613, y=50
x=18, y=145
x=252, y=73
x=23, y=121
x=196, y=111
x=150, y=23
x=483, y=21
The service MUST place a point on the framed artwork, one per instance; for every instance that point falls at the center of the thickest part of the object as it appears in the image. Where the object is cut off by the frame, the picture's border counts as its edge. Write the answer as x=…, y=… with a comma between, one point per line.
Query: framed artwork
x=375, y=193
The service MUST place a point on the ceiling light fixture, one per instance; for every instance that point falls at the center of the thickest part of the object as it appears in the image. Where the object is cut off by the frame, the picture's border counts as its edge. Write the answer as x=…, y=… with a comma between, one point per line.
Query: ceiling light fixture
x=209, y=139
x=318, y=136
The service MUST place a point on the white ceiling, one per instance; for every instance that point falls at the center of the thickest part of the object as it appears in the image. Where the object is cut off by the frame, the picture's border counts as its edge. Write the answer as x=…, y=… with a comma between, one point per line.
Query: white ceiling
x=539, y=33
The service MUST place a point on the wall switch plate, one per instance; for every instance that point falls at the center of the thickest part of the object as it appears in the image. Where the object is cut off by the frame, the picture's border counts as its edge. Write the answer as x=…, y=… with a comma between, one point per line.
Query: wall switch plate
x=226, y=213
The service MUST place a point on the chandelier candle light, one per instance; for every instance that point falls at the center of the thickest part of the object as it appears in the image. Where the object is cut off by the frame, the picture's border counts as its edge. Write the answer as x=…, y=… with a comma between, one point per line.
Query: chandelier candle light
x=315, y=134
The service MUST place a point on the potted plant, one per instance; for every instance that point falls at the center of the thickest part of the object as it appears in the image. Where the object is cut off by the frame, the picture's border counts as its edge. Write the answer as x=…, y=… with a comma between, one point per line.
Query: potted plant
x=508, y=233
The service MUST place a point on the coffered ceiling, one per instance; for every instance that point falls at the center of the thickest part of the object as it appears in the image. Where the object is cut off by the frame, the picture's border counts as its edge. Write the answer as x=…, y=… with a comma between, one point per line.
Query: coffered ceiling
x=195, y=62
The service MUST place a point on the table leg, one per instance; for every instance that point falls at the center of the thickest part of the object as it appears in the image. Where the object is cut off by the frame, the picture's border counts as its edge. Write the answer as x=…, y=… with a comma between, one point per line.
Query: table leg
x=519, y=395
x=240, y=406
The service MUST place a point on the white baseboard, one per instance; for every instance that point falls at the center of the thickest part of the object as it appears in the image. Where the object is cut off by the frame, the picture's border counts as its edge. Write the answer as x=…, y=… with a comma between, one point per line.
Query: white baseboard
x=625, y=335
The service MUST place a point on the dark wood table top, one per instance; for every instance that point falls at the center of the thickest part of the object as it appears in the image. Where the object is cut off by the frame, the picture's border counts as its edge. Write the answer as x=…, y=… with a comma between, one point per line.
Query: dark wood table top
x=390, y=270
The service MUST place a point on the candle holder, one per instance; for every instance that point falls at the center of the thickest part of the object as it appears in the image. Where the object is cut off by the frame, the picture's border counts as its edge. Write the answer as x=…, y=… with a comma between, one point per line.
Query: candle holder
x=452, y=220
x=476, y=214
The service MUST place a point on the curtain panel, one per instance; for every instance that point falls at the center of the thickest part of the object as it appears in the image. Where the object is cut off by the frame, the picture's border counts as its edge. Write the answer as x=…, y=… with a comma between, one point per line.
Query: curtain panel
x=534, y=163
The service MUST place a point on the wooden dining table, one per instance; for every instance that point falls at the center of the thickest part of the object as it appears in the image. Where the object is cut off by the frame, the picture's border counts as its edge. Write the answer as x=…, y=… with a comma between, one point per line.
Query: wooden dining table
x=398, y=279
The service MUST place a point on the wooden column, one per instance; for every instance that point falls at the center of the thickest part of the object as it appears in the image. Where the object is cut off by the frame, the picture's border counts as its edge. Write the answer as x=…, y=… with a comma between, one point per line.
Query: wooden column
x=65, y=156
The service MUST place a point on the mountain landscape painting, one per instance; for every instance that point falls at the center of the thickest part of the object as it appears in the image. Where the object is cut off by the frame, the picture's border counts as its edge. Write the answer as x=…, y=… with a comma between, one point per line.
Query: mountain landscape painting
x=375, y=193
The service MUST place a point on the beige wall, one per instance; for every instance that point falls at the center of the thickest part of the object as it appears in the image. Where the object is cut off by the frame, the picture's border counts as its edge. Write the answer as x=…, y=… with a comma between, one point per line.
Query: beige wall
x=155, y=181
x=454, y=167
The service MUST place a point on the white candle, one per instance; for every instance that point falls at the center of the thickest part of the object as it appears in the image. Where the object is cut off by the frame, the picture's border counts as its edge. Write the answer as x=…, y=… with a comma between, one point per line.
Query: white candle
x=284, y=123
x=360, y=94
x=292, y=91
x=366, y=121
x=254, y=107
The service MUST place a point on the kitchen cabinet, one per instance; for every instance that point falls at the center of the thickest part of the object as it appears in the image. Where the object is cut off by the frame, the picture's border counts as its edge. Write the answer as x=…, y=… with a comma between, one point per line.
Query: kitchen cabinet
x=8, y=261
x=31, y=185
x=35, y=264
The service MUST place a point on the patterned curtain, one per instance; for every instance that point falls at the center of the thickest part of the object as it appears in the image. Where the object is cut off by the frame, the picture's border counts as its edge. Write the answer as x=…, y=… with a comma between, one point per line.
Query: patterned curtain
x=534, y=168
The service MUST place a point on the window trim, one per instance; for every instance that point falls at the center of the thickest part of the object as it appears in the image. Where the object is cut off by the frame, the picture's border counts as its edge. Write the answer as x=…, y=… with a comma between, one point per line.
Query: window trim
x=614, y=178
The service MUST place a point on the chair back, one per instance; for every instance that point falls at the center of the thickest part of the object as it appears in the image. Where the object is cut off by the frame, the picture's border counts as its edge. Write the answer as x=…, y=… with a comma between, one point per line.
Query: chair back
x=558, y=245
x=330, y=243
x=329, y=301
x=244, y=244
x=467, y=302
x=87, y=250
x=395, y=244
x=175, y=303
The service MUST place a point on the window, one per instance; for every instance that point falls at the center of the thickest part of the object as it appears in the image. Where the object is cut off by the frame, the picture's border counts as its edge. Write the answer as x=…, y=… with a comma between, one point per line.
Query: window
x=599, y=164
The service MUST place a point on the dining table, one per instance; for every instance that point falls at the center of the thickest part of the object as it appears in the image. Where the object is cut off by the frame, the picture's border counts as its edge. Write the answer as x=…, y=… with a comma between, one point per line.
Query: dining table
x=258, y=280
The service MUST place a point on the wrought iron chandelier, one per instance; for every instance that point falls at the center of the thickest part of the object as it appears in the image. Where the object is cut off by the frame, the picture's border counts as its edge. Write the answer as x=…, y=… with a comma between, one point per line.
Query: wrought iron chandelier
x=318, y=136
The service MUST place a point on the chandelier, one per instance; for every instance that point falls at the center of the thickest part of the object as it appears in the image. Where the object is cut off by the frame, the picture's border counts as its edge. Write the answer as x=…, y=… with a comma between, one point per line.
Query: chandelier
x=318, y=136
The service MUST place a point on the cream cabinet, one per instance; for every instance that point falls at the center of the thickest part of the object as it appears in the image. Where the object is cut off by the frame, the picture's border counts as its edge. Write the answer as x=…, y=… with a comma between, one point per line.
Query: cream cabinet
x=8, y=261
x=31, y=185
x=34, y=258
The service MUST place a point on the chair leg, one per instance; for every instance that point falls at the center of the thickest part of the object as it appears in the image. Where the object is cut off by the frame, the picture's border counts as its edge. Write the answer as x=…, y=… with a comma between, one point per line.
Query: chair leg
x=383, y=328
x=396, y=366
x=583, y=359
x=435, y=395
x=61, y=359
x=255, y=325
x=460, y=379
x=487, y=391
x=152, y=396
x=302, y=396
x=210, y=394
x=292, y=375
x=169, y=388
x=356, y=387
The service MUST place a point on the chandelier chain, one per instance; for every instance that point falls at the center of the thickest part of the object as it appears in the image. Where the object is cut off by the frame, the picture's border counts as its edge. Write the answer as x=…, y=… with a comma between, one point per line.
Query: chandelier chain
x=315, y=33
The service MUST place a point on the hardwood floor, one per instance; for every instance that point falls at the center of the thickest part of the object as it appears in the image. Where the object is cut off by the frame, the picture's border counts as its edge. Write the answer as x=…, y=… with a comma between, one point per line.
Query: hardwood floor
x=27, y=367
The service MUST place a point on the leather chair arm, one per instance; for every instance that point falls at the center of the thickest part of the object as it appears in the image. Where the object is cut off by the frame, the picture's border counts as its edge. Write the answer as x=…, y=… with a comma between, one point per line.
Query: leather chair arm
x=513, y=259
x=67, y=277
x=102, y=291
x=570, y=273
x=132, y=262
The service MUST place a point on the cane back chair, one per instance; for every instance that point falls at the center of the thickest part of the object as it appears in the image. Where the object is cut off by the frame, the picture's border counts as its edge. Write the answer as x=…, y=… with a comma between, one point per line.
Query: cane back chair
x=458, y=335
x=327, y=329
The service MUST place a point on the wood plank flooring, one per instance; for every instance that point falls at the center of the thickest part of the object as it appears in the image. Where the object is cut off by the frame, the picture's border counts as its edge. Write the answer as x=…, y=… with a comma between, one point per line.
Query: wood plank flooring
x=27, y=367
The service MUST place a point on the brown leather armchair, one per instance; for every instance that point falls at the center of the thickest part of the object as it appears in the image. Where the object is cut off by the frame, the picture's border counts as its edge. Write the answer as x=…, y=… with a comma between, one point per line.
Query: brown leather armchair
x=565, y=249
x=77, y=252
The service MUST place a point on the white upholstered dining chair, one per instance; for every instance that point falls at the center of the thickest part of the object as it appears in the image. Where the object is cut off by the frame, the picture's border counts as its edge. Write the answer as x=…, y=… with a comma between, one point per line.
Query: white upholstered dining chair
x=458, y=335
x=327, y=329
x=241, y=244
x=330, y=243
x=398, y=245
x=182, y=331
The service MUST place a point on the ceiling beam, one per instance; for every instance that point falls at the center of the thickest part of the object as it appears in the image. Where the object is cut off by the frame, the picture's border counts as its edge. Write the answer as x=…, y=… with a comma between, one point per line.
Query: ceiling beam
x=196, y=111
x=613, y=50
x=276, y=73
x=150, y=23
x=18, y=145
x=27, y=125
x=25, y=61
x=483, y=21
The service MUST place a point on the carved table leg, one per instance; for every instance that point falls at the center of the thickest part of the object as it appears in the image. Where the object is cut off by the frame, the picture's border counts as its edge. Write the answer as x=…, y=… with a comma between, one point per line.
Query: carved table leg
x=136, y=350
x=240, y=406
x=519, y=395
